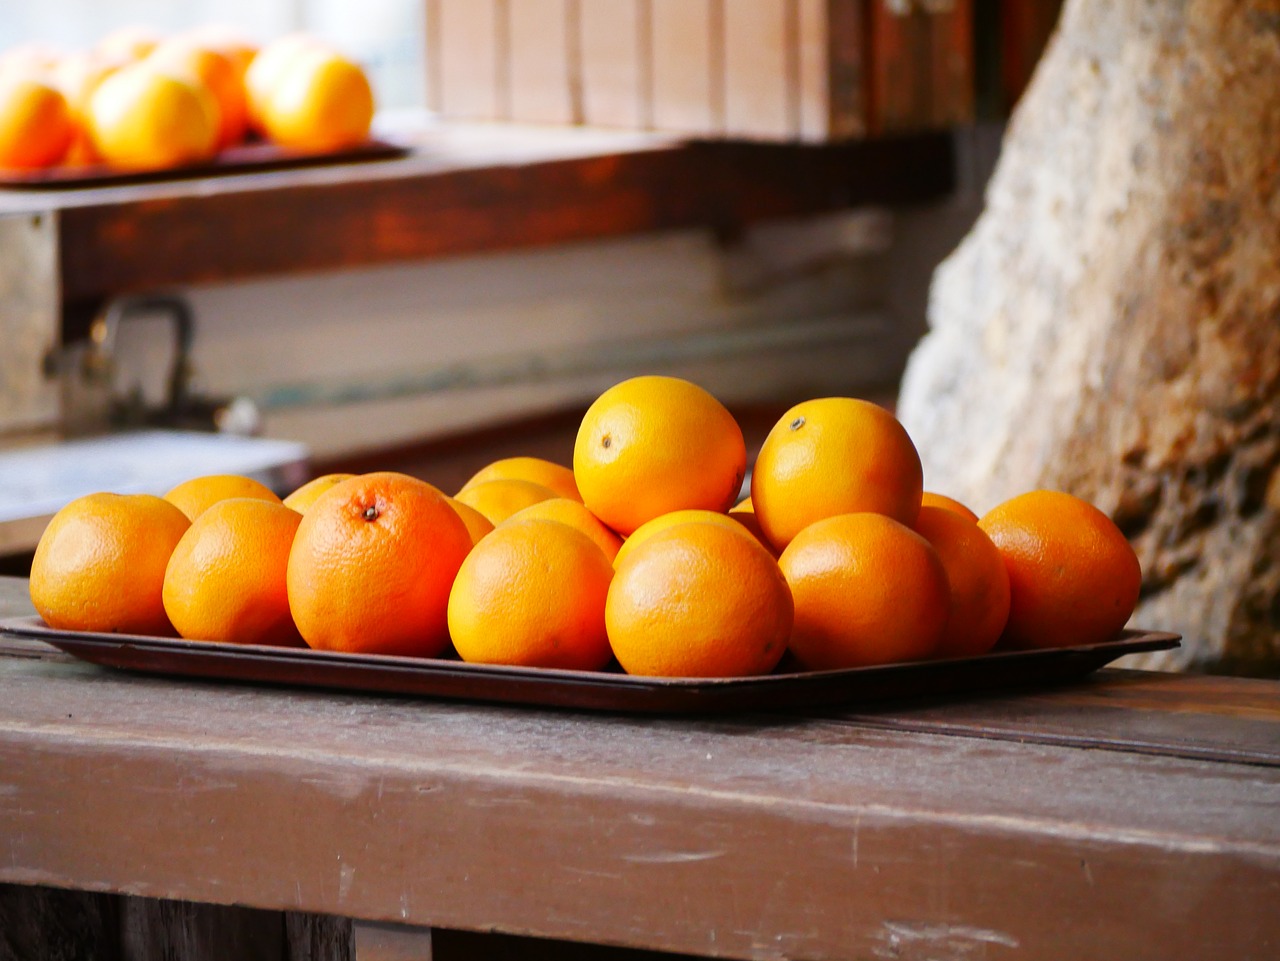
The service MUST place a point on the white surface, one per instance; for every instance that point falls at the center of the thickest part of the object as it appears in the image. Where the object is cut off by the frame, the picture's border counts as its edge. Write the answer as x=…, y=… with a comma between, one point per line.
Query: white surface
x=38, y=481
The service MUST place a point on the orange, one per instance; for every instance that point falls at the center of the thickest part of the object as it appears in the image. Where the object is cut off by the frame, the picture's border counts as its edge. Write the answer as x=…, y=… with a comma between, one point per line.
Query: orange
x=555, y=477
x=1073, y=578
x=499, y=499
x=977, y=580
x=100, y=564
x=266, y=69
x=321, y=102
x=226, y=40
x=476, y=523
x=698, y=600
x=834, y=455
x=128, y=43
x=216, y=73
x=306, y=495
x=930, y=499
x=193, y=497
x=36, y=125
x=532, y=594
x=225, y=580
x=372, y=564
x=744, y=506
x=673, y=519
x=867, y=590
x=575, y=514
x=30, y=59
x=145, y=118
x=78, y=76
x=651, y=445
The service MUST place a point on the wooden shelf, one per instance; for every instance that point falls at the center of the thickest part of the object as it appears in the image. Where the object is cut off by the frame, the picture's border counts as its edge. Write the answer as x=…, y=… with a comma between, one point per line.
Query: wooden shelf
x=463, y=188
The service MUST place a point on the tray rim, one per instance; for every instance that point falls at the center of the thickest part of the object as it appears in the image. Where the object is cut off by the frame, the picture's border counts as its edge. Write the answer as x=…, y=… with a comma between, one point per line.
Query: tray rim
x=241, y=159
x=633, y=690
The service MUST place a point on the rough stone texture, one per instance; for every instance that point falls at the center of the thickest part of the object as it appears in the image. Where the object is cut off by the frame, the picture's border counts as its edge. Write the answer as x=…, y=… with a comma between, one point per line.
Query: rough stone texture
x=1111, y=326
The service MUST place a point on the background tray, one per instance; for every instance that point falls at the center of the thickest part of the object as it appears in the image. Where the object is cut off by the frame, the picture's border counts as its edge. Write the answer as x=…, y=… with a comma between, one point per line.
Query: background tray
x=243, y=158
x=604, y=691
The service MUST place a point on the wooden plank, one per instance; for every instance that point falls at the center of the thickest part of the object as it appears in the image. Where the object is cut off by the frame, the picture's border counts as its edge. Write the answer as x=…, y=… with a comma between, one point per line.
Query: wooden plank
x=762, y=69
x=1233, y=720
x=454, y=199
x=540, y=63
x=751, y=837
x=613, y=94
x=1025, y=29
x=48, y=924
x=469, y=59
x=687, y=66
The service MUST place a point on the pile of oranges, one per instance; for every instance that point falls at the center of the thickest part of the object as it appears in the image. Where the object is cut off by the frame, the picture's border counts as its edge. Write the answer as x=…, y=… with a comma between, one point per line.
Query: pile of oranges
x=140, y=101
x=641, y=554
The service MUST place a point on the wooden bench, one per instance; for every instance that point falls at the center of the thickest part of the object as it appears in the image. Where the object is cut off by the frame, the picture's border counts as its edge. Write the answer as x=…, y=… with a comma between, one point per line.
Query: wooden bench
x=1129, y=816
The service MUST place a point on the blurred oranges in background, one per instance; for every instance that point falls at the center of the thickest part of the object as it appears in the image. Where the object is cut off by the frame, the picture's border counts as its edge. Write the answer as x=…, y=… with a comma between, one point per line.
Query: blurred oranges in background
x=138, y=100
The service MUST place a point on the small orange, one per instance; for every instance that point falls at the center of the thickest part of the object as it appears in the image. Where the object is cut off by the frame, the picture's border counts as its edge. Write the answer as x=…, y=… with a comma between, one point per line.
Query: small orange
x=38, y=59
x=322, y=102
x=225, y=580
x=36, y=125
x=744, y=506
x=532, y=594
x=673, y=519
x=143, y=117
x=78, y=76
x=930, y=499
x=834, y=455
x=977, y=579
x=476, y=523
x=499, y=499
x=555, y=477
x=128, y=43
x=867, y=590
x=100, y=564
x=575, y=514
x=1073, y=578
x=306, y=495
x=266, y=70
x=651, y=445
x=216, y=73
x=193, y=497
x=226, y=40
x=372, y=564
x=698, y=600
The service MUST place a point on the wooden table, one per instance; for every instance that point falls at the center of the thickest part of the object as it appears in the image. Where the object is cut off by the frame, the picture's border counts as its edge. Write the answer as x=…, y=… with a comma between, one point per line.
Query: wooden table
x=1130, y=816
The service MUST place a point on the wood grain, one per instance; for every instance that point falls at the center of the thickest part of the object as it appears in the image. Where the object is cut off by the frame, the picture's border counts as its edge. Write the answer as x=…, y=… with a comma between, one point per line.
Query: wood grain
x=751, y=837
x=612, y=90
x=540, y=62
x=468, y=59
x=687, y=55
x=761, y=69
x=463, y=192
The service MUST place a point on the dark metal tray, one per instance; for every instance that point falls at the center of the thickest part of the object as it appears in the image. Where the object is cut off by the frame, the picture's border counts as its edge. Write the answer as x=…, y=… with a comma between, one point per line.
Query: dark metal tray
x=602, y=691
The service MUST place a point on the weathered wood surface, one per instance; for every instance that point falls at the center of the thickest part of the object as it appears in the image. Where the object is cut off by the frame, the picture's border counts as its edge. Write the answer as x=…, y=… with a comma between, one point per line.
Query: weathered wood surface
x=767, y=836
x=1111, y=326
x=464, y=189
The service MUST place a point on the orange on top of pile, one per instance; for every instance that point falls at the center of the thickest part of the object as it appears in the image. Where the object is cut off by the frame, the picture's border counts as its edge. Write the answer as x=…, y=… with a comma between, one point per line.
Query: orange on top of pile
x=643, y=554
x=141, y=101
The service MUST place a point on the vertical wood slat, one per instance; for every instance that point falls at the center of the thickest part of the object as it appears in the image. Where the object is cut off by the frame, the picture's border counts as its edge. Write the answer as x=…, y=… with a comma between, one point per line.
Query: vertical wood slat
x=920, y=74
x=809, y=70
x=540, y=89
x=467, y=55
x=613, y=93
x=1025, y=29
x=682, y=51
x=761, y=68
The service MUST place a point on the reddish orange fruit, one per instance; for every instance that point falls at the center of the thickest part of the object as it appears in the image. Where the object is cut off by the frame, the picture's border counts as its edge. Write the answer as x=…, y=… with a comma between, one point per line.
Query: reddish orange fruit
x=867, y=591
x=100, y=564
x=698, y=600
x=930, y=499
x=835, y=455
x=977, y=580
x=1073, y=578
x=372, y=564
x=532, y=594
